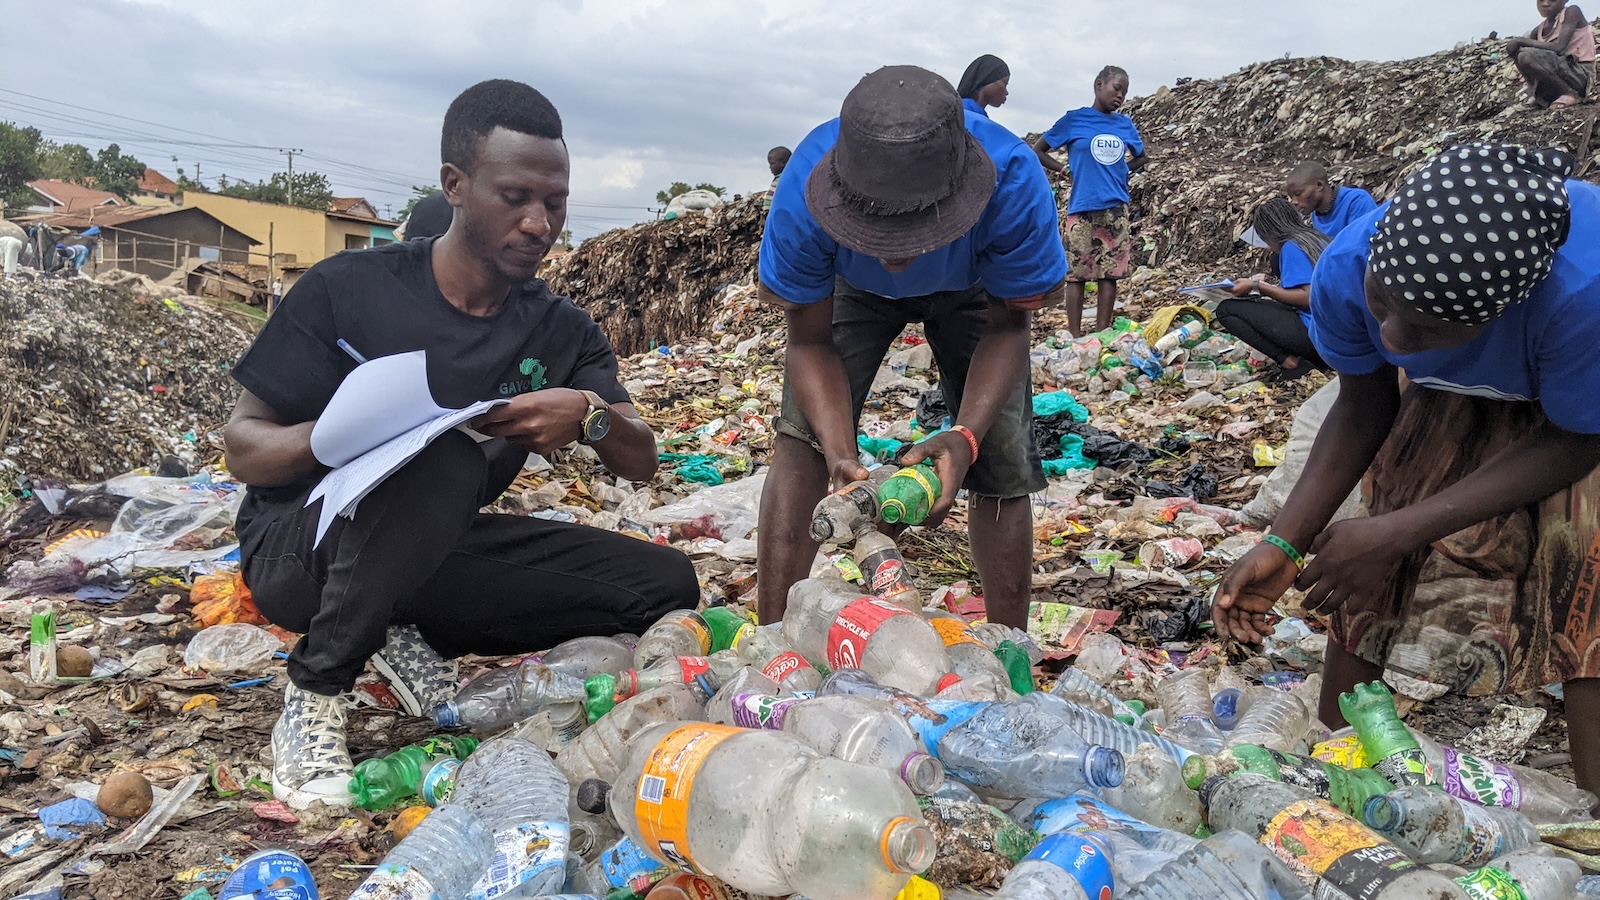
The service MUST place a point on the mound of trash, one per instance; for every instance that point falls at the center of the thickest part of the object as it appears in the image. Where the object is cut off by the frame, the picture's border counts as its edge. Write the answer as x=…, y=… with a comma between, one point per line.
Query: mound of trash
x=98, y=379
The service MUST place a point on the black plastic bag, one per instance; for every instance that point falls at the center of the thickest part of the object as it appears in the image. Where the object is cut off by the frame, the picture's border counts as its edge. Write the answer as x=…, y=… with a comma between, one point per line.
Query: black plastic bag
x=931, y=409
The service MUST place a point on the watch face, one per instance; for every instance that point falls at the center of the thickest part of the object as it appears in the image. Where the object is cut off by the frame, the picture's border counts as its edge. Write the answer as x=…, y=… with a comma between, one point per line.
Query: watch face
x=597, y=426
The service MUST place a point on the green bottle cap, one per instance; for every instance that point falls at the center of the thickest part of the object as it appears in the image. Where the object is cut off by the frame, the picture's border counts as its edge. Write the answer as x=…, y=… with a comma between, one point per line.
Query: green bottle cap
x=601, y=693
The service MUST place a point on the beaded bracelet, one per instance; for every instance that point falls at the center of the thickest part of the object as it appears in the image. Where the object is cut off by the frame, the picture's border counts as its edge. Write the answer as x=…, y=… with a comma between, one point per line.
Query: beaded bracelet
x=1286, y=547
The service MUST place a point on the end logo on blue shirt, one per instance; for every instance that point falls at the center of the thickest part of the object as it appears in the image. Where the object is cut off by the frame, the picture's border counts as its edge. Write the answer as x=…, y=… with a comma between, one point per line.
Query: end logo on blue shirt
x=1108, y=149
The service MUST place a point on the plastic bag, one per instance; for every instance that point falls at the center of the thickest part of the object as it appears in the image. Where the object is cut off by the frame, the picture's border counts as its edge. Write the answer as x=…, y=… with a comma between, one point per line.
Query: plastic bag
x=238, y=647
x=730, y=510
x=932, y=410
x=1057, y=402
x=166, y=523
x=223, y=599
x=1269, y=500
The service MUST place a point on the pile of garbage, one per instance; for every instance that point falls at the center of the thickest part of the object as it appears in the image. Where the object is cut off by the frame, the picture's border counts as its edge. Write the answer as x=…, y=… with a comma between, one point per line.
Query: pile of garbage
x=1219, y=147
x=99, y=379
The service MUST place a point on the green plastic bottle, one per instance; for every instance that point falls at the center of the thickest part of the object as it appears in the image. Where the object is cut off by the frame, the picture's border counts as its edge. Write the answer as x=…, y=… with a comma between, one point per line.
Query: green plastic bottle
x=426, y=770
x=1347, y=789
x=1393, y=750
x=909, y=495
x=1018, y=666
x=724, y=624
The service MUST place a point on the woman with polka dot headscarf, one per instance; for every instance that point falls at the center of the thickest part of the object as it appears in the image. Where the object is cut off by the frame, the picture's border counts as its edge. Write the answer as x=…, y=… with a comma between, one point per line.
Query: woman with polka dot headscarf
x=1478, y=568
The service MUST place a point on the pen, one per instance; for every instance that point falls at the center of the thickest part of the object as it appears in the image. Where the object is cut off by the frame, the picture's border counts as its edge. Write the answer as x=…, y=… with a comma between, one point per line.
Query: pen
x=345, y=346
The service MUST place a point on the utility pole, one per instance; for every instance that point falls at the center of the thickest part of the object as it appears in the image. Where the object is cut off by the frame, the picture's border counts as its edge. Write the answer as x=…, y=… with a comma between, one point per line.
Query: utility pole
x=290, y=154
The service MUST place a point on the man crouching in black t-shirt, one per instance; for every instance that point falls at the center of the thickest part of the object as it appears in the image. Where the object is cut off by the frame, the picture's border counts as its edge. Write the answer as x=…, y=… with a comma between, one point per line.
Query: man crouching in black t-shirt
x=419, y=576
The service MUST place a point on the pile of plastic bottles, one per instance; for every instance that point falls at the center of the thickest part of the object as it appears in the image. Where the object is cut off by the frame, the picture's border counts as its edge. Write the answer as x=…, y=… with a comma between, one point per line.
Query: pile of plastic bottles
x=1120, y=359
x=811, y=758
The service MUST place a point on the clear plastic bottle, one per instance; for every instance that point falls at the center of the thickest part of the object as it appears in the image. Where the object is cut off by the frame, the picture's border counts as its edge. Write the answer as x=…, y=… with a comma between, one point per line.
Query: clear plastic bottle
x=1153, y=789
x=553, y=728
x=1079, y=688
x=1544, y=798
x=1105, y=731
x=1186, y=702
x=678, y=633
x=585, y=657
x=441, y=857
x=969, y=658
x=813, y=604
x=891, y=643
x=516, y=789
x=1273, y=719
x=1063, y=866
x=843, y=515
x=623, y=864
x=767, y=814
x=1434, y=827
x=1101, y=656
x=1013, y=750
x=1329, y=850
x=601, y=750
x=765, y=648
x=591, y=834
x=708, y=672
x=866, y=731
x=857, y=683
x=730, y=706
x=1226, y=866
x=1534, y=874
x=504, y=697
x=883, y=570
x=1347, y=789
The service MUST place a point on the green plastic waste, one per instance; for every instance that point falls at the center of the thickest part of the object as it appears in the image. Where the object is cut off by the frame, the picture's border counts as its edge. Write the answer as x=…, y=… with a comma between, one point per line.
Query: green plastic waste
x=700, y=468
x=1056, y=402
x=1018, y=666
x=909, y=495
x=880, y=449
x=724, y=623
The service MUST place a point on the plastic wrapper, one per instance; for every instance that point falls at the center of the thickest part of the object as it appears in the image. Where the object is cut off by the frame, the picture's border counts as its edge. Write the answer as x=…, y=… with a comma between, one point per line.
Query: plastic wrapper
x=166, y=523
x=239, y=647
x=726, y=512
x=224, y=599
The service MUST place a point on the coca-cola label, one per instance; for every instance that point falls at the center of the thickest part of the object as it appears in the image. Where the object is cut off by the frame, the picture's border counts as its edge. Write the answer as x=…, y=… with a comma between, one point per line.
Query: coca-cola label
x=854, y=626
x=785, y=664
x=1481, y=781
x=693, y=667
x=761, y=710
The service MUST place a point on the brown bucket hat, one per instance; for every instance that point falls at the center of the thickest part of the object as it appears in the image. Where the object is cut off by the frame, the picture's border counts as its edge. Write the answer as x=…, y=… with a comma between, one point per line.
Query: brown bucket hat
x=905, y=177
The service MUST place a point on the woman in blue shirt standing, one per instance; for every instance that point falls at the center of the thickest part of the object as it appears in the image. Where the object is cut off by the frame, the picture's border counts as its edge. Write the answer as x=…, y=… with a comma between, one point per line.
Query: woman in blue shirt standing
x=1278, y=323
x=985, y=83
x=1098, y=140
x=1478, y=567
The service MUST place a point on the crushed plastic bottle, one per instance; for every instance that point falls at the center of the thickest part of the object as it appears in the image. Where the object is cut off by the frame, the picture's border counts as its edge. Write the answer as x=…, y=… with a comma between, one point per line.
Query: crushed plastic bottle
x=234, y=647
x=855, y=682
x=1369, y=709
x=425, y=770
x=1271, y=718
x=891, y=643
x=765, y=648
x=585, y=657
x=883, y=571
x=1153, y=789
x=1075, y=686
x=516, y=789
x=865, y=731
x=909, y=495
x=847, y=513
x=1105, y=731
x=441, y=857
x=1531, y=874
x=1186, y=702
x=1064, y=866
x=681, y=632
x=1434, y=827
x=1101, y=656
x=1014, y=750
x=600, y=751
x=1329, y=850
x=1225, y=866
x=623, y=865
x=1347, y=789
x=504, y=697
x=767, y=814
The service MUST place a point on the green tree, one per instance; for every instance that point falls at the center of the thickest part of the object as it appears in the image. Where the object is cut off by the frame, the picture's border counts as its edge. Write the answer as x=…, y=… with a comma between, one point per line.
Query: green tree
x=19, y=164
x=117, y=172
x=311, y=190
x=708, y=186
x=66, y=162
x=419, y=192
x=185, y=183
x=676, y=188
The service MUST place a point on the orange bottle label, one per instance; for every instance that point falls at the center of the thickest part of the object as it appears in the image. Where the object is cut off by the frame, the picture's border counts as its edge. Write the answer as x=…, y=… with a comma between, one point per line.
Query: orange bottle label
x=662, y=804
x=954, y=631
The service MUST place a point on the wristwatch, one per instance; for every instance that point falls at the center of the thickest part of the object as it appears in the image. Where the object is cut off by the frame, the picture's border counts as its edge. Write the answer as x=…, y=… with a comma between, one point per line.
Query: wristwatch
x=597, y=421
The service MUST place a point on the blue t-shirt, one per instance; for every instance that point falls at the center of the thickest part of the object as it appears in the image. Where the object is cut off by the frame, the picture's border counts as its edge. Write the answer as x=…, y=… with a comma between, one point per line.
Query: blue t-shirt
x=1014, y=250
x=1097, y=153
x=974, y=106
x=1540, y=349
x=1349, y=204
x=1294, y=270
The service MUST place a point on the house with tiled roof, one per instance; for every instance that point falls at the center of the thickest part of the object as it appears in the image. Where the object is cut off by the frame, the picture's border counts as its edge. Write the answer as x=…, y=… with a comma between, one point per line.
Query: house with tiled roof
x=63, y=196
x=354, y=206
x=156, y=189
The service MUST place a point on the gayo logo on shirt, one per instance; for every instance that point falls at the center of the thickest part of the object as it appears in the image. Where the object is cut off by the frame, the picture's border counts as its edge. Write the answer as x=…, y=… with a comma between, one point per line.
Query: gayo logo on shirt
x=533, y=372
x=1108, y=149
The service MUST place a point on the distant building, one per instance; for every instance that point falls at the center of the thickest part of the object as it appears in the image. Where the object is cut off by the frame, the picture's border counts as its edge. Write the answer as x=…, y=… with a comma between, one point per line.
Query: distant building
x=354, y=206
x=156, y=189
x=296, y=234
x=64, y=196
x=153, y=240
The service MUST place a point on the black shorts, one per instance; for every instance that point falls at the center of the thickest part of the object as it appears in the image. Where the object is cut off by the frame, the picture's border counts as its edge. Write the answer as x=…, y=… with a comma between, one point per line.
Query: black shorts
x=865, y=326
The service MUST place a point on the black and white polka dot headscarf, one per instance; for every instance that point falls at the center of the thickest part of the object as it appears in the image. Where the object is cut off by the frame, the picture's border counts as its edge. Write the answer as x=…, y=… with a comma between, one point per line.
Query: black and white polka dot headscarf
x=1474, y=230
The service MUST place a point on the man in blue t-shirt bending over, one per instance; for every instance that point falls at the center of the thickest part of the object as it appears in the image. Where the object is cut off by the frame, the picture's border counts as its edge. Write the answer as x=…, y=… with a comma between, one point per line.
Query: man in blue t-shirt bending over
x=908, y=209
x=1330, y=206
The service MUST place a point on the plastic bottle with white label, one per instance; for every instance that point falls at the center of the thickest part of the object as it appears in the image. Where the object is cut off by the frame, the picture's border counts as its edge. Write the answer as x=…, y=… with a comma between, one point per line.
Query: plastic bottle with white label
x=1014, y=750
x=624, y=864
x=678, y=633
x=891, y=643
x=767, y=814
x=505, y=697
x=1330, y=851
x=1064, y=866
x=1434, y=827
x=1153, y=789
x=1186, y=703
x=600, y=750
x=765, y=648
x=447, y=851
x=516, y=789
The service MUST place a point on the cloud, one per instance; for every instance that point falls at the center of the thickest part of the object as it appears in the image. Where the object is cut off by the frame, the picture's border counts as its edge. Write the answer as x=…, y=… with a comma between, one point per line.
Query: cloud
x=650, y=91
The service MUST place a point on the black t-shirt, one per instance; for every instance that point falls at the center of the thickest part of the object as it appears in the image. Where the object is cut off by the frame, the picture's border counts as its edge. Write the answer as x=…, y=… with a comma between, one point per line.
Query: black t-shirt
x=385, y=301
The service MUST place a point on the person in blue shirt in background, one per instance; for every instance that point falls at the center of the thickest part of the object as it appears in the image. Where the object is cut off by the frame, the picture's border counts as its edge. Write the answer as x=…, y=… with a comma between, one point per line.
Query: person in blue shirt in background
x=1330, y=206
x=1481, y=279
x=985, y=83
x=1098, y=140
x=905, y=209
x=1276, y=320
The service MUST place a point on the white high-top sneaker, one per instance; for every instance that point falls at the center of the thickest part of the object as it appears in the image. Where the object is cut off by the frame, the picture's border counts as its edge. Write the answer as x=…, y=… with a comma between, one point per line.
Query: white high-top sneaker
x=416, y=674
x=309, y=761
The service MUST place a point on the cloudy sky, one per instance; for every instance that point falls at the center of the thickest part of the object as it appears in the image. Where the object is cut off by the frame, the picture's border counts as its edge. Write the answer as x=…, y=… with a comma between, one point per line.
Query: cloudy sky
x=651, y=91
